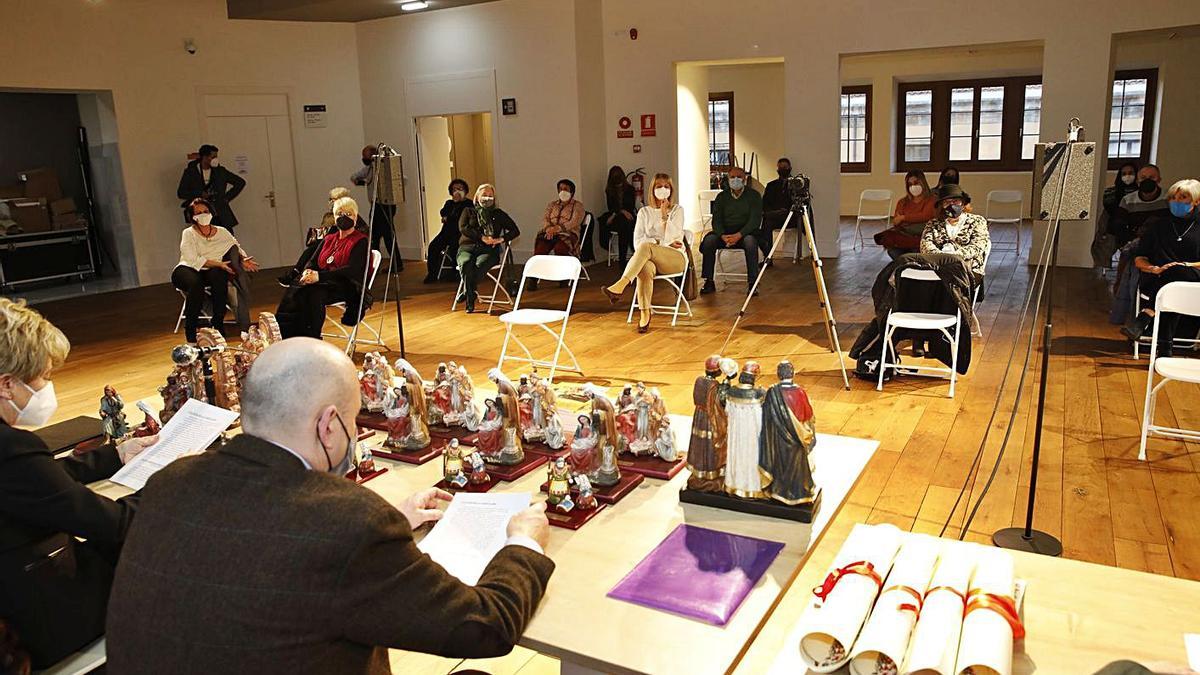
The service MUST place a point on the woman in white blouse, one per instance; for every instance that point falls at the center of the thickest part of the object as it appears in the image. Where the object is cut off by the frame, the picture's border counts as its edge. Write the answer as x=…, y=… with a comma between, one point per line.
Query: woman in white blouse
x=658, y=247
x=203, y=248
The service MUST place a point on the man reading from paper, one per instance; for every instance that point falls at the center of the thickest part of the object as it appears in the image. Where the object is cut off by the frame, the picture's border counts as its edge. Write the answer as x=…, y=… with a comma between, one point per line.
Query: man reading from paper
x=261, y=557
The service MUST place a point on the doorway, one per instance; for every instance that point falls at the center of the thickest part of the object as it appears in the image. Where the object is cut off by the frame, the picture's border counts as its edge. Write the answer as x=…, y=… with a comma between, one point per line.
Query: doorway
x=254, y=135
x=448, y=147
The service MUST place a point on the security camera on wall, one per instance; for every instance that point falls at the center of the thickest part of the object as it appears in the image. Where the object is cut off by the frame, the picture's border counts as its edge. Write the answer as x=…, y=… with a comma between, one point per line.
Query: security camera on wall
x=190, y=46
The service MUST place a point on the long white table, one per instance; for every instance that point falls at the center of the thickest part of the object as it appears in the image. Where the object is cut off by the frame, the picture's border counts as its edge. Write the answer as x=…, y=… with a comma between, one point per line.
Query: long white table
x=590, y=632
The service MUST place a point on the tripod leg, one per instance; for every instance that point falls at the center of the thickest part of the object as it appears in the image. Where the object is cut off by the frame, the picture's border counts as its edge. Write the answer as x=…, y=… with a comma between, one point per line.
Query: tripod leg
x=835, y=344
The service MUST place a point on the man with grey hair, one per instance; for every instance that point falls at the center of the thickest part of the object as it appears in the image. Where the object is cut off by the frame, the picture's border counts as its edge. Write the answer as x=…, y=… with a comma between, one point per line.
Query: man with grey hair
x=260, y=557
x=736, y=219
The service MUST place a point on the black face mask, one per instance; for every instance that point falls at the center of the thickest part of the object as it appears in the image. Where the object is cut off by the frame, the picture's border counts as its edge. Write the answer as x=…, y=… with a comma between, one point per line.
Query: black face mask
x=1147, y=185
x=952, y=210
x=344, y=223
x=784, y=173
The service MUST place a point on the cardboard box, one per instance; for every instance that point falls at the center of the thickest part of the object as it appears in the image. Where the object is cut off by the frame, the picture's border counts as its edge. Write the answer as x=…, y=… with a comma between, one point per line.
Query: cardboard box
x=41, y=184
x=31, y=215
x=63, y=206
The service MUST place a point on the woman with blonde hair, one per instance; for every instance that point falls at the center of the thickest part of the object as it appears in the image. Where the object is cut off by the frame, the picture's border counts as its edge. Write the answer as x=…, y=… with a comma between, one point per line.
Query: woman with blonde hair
x=334, y=274
x=658, y=247
x=484, y=227
x=55, y=587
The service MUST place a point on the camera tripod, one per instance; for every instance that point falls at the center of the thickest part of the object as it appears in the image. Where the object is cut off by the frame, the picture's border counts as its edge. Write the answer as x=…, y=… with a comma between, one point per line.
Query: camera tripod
x=802, y=205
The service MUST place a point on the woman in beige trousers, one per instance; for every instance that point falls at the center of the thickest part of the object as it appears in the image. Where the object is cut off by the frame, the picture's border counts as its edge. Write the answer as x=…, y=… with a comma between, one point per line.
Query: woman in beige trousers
x=658, y=247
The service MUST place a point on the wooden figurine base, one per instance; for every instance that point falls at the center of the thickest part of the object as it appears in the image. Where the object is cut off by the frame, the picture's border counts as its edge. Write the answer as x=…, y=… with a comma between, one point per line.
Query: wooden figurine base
x=417, y=457
x=540, y=448
x=371, y=420
x=511, y=472
x=572, y=520
x=464, y=436
x=365, y=433
x=650, y=466
x=360, y=477
x=469, y=487
x=613, y=493
x=801, y=513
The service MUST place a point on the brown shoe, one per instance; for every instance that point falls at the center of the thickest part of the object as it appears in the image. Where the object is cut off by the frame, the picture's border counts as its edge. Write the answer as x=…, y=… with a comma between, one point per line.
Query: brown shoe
x=613, y=298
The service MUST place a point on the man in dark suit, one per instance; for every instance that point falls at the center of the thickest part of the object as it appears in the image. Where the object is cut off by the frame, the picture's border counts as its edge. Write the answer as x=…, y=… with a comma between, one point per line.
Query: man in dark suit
x=260, y=557
x=205, y=177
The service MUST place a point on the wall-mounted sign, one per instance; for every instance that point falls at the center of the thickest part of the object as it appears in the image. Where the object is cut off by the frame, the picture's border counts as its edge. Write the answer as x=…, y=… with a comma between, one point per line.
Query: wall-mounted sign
x=624, y=131
x=508, y=106
x=637, y=148
x=241, y=164
x=314, y=116
x=648, y=128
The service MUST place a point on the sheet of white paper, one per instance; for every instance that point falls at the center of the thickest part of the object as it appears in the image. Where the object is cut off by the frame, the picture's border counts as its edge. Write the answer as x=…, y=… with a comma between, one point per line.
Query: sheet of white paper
x=472, y=532
x=191, y=430
x=1191, y=642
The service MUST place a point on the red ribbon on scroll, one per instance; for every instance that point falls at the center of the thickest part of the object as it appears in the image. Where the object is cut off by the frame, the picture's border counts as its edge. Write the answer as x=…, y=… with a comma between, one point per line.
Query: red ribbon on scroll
x=1005, y=606
x=862, y=567
x=908, y=606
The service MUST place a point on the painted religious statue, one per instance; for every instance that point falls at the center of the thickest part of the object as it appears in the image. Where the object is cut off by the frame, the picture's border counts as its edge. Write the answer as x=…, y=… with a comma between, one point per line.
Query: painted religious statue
x=414, y=390
x=558, y=485
x=454, y=470
x=438, y=396
x=498, y=440
x=789, y=435
x=585, y=498
x=585, y=456
x=706, y=450
x=744, y=412
x=539, y=412
x=455, y=398
x=604, y=425
x=479, y=474
x=644, y=425
x=112, y=414
x=406, y=428
x=374, y=381
x=175, y=392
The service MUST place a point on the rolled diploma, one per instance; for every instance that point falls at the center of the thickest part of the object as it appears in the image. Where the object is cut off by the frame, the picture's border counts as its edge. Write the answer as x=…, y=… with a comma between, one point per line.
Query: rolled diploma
x=884, y=640
x=986, y=645
x=825, y=645
x=934, y=646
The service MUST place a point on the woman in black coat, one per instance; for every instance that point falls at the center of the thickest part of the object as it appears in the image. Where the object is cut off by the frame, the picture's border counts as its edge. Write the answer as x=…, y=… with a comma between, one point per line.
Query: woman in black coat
x=621, y=202
x=446, y=241
x=53, y=588
x=484, y=227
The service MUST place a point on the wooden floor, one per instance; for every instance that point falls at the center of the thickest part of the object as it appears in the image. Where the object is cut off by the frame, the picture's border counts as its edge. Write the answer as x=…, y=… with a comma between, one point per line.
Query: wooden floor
x=1092, y=492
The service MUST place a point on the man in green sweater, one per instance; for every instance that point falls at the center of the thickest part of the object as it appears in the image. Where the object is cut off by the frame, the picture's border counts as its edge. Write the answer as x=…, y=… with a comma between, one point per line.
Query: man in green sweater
x=736, y=219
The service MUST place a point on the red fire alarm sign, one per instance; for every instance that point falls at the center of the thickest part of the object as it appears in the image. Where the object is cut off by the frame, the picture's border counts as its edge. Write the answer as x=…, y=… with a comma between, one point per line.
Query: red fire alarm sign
x=624, y=131
x=648, y=128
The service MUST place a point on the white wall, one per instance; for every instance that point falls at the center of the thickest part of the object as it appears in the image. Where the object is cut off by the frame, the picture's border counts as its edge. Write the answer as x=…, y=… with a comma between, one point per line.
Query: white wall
x=811, y=36
x=135, y=49
x=692, y=89
x=757, y=112
x=530, y=47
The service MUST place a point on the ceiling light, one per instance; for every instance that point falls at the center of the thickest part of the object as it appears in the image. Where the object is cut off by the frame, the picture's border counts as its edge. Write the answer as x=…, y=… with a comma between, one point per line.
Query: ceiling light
x=413, y=6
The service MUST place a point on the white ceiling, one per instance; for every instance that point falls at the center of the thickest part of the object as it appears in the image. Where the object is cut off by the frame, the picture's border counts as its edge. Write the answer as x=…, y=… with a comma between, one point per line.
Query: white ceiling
x=330, y=10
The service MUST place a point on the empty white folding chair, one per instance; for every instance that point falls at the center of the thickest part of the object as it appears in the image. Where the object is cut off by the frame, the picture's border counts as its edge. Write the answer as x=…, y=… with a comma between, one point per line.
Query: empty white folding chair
x=583, y=237
x=447, y=263
x=676, y=282
x=946, y=324
x=1179, y=297
x=1004, y=201
x=1139, y=301
x=351, y=336
x=874, y=206
x=496, y=273
x=704, y=201
x=543, y=268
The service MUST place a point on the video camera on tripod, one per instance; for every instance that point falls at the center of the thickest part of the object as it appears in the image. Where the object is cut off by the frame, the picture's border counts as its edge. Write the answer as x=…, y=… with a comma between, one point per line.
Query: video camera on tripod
x=798, y=190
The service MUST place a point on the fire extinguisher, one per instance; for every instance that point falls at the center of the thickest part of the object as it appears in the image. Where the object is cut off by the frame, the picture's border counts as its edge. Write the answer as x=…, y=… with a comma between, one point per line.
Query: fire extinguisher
x=637, y=178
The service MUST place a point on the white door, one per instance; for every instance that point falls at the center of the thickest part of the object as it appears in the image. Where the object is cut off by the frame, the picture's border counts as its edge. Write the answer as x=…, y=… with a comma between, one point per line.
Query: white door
x=258, y=147
x=436, y=169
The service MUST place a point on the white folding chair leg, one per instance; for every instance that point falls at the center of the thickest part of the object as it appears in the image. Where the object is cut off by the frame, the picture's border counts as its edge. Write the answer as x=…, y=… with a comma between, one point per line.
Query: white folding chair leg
x=1148, y=411
x=633, y=303
x=458, y=293
x=953, y=357
x=887, y=338
x=179, y=321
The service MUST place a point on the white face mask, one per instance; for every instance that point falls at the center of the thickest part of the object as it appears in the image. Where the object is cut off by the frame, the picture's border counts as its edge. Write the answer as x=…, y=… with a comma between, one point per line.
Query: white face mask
x=662, y=193
x=487, y=201
x=202, y=219
x=39, y=409
x=458, y=195
x=213, y=163
x=737, y=183
x=1128, y=179
x=564, y=196
x=915, y=190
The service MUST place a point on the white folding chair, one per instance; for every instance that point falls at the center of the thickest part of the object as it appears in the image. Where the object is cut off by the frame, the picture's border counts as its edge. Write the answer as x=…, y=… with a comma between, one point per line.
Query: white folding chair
x=1005, y=198
x=868, y=199
x=447, y=263
x=206, y=314
x=343, y=334
x=496, y=273
x=1179, y=297
x=946, y=324
x=704, y=200
x=583, y=237
x=544, y=268
x=1139, y=300
x=676, y=281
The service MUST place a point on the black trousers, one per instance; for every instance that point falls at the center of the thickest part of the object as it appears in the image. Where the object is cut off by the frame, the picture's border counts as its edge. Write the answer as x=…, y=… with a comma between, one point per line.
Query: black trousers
x=772, y=220
x=193, y=283
x=446, y=242
x=382, y=220
x=1151, y=284
x=712, y=241
x=301, y=312
x=623, y=228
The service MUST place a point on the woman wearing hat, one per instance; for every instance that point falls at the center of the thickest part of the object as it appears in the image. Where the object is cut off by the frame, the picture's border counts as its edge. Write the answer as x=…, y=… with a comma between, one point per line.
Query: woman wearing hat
x=956, y=232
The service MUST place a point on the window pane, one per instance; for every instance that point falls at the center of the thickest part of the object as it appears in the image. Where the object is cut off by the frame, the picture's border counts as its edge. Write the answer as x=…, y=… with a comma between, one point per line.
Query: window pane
x=1135, y=92
x=1132, y=117
x=960, y=148
x=853, y=127
x=718, y=132
x=962, y=109
x=1031, y=119
x=845, y=150
x=859, y=151
x=991, y=122
x=1127, y=118
x=1027, y=146
x=918, y=109
x=989, y=147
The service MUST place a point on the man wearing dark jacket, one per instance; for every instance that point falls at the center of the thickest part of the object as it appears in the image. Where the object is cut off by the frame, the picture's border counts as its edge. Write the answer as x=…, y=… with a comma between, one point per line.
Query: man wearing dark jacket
x=776, y=204
x=260, y=557
x=205, y=177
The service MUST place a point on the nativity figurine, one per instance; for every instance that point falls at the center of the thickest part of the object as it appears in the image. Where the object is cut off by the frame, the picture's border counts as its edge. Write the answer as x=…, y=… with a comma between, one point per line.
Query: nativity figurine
x=604, y=424
x=558, y=485
x=706, y=450
x=585, y=498
x=497, y=438
x=453, y=469
x=789, y=435
x=112, y=415
x=479, y=474
x=743, y=410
